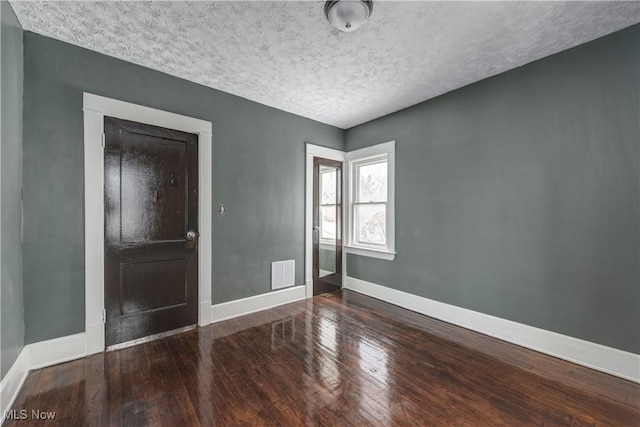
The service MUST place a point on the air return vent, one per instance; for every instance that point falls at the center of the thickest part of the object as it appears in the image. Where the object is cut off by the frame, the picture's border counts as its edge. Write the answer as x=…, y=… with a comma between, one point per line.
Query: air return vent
x=282, y=274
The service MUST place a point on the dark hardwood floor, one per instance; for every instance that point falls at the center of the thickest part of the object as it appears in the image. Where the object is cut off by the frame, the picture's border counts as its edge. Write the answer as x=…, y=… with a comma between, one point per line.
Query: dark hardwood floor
x=341, y=359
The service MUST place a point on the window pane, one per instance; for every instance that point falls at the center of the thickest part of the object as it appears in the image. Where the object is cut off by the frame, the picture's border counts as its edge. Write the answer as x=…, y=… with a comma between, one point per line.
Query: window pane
x=371, y=224
x=372, y=182
x=328, y=187
x=328, y=224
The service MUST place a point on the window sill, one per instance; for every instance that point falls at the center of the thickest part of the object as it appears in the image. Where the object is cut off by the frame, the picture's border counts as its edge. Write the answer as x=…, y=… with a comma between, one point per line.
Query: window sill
x=373, y=253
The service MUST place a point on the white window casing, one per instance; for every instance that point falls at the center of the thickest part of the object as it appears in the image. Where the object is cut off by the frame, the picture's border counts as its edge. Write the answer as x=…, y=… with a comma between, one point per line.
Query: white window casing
x=355, y=160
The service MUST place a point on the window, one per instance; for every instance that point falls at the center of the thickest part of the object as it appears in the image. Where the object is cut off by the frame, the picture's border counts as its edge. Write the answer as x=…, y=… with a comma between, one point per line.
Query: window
x=371, y=201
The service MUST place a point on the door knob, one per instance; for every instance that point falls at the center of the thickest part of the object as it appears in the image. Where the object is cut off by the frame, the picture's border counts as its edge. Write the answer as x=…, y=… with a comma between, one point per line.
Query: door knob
x=192, y=239
x=316, y=228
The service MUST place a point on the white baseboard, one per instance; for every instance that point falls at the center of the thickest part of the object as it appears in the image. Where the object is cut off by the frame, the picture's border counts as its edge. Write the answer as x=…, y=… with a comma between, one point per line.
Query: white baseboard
x=35, y=356
x=12, y=382
x=57, y=350
x=231, y=309
x=592, y=355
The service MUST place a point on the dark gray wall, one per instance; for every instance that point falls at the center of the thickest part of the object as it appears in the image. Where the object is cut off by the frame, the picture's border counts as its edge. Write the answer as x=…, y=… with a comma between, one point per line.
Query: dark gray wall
x=258, y=173
x=11, y=187
x=518, y=196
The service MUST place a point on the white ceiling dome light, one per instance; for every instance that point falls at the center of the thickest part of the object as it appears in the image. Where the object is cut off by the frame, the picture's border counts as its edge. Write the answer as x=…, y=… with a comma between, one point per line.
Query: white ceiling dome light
x=348, y=15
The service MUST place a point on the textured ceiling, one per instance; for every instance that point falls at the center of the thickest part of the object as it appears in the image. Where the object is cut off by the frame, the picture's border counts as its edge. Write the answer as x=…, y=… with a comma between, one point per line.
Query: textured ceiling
x=286, y=55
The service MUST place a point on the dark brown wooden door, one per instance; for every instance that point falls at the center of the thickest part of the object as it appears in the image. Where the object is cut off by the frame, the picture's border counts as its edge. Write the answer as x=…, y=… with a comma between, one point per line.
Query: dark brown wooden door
x=327, y=225
x=151, y=204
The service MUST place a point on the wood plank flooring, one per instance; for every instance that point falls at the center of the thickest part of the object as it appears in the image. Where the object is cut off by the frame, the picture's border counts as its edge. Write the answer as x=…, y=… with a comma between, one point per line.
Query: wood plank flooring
x=340, y=359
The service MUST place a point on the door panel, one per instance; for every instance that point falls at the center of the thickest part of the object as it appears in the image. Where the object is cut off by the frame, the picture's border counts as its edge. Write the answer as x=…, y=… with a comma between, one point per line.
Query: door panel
x=155, y=202
x=139, y=292
x=151, y=202
x=327, y=225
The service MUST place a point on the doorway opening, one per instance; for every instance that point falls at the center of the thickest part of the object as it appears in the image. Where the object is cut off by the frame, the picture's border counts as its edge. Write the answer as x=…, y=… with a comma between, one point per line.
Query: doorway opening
x=313, y=151
x=327, y=225
x=95, y=109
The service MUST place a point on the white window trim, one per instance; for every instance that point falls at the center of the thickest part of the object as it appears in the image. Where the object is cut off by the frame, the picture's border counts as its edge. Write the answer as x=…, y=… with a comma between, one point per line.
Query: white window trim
x=353, y=158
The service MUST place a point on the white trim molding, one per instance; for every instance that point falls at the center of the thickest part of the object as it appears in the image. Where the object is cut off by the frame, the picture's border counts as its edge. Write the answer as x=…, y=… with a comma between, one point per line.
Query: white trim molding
x=331, y=154
x=57, y=350
x=592, y=355
x=244, y=306
x=13, y=381
x=35, y=356
x=95, y=109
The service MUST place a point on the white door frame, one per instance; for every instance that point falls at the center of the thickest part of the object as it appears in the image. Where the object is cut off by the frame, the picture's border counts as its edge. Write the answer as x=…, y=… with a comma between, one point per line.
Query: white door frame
x=326, y=153
x=95, y=109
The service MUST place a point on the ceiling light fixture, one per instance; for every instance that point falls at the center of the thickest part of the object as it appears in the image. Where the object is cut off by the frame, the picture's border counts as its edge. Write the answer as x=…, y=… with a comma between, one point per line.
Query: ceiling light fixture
x=348, y=15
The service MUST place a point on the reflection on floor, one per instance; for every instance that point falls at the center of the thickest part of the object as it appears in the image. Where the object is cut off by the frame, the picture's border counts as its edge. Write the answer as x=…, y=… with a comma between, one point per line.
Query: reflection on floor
x=346, y=360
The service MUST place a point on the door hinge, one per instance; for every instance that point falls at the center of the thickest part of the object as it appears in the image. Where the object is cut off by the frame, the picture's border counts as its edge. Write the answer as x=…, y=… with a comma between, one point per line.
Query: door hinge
x=104, y=315
x=104, y=138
